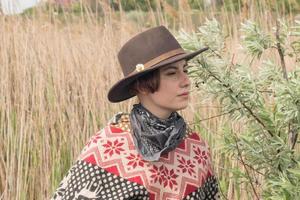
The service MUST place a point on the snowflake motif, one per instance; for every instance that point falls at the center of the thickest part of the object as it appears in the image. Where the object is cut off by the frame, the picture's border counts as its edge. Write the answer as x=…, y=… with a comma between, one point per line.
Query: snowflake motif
x=201, y=156
x=170, y=178
x=135, y=160
x=158, y=174
x=115, y=147
x=186, y=166
x=93, y=139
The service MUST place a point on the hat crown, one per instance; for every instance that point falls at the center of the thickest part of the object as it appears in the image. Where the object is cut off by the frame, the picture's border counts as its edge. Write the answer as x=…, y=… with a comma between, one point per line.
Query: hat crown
x=145, y=47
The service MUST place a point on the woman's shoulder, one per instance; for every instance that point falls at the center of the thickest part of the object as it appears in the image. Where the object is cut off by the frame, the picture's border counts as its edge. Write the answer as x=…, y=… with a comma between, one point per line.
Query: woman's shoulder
x=120, y=121
x=193, y=134
x=111, y=140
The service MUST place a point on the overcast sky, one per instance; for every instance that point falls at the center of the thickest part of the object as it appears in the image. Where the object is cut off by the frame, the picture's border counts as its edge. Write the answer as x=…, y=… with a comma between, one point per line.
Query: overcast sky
x=16, y=6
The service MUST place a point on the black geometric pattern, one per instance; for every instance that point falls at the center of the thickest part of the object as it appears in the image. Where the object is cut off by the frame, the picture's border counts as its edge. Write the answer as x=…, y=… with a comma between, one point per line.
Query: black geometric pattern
x=86, y=181
x=209, y=191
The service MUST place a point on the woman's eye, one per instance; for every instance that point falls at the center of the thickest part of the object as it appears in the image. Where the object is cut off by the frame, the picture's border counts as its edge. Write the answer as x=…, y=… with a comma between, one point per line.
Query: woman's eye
x=171, y=73
x=186, y=71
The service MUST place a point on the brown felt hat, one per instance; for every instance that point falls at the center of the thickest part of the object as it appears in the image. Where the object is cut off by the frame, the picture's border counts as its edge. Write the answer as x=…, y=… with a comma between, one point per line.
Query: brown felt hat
x=147, y=51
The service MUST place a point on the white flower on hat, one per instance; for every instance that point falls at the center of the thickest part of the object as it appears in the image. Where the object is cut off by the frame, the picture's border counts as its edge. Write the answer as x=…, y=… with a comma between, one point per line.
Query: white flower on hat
x=139, y=67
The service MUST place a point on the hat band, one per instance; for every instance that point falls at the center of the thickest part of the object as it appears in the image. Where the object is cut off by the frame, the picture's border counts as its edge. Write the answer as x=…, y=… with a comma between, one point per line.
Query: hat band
x=141, y=67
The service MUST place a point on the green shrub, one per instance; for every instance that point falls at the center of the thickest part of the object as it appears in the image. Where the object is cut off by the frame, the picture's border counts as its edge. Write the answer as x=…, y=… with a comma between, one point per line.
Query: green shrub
x=266, y=102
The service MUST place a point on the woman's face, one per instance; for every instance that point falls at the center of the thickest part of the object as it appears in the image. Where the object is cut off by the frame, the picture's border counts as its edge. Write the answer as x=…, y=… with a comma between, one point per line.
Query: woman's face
x=173, y=91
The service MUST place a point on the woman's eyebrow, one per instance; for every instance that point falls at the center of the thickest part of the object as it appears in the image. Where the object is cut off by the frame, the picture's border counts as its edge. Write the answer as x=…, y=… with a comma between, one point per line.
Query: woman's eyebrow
x=173, y=67
x=169, y=67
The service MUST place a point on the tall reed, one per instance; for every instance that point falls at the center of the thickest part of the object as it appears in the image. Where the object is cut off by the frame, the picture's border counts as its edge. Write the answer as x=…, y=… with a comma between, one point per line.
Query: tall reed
x=55, y=72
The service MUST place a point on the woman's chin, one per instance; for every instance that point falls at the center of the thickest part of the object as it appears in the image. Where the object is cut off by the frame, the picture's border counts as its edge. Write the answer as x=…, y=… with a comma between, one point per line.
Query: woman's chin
x=181, y=107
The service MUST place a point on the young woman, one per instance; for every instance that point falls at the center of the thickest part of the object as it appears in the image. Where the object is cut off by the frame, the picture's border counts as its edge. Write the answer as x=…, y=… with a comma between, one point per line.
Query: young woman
x=149, y=153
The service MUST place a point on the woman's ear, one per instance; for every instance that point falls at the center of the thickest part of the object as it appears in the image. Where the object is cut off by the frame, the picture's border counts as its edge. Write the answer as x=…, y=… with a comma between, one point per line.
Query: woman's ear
x=142, y=91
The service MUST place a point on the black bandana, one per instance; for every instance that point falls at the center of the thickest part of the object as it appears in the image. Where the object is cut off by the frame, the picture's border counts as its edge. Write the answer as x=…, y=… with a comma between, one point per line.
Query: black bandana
x=153, y=136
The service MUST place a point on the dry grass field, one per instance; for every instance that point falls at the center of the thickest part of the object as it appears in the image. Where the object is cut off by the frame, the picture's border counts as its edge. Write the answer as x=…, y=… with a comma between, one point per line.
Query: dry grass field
x=55, y=72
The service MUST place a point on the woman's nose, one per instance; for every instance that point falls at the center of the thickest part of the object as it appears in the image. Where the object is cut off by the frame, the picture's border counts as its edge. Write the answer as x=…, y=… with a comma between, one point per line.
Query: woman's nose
x=185, y=80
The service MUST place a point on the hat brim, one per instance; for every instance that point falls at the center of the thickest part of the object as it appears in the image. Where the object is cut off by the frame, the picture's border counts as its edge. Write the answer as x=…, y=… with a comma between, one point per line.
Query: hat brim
x=120, y=90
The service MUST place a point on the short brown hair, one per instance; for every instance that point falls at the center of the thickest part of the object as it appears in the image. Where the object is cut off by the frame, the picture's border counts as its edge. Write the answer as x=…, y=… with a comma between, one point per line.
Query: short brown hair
x=149, y=83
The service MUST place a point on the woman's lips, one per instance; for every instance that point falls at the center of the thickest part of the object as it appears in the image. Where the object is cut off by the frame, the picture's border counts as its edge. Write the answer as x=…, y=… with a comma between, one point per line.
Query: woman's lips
x=184, y=94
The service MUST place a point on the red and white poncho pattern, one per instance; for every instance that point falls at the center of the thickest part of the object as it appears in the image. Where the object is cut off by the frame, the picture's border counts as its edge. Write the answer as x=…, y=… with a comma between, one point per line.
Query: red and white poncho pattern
x=110, y=167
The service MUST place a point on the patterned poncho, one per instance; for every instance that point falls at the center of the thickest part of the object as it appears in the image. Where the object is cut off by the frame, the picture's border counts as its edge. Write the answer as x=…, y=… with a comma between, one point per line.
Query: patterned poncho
x=110, y=168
